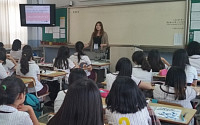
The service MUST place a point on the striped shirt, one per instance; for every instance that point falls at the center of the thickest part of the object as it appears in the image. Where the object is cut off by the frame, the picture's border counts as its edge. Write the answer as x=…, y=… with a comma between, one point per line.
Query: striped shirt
x=139, y=118
x=14, y=117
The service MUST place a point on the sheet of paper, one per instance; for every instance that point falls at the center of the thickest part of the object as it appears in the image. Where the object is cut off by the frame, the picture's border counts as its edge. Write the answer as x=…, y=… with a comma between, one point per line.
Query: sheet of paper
x=62, y=35
x=195, y=6
x=62, y=22
x=56, y=36
x=48, y=30
x=56, y=29
x=62, y=30
x=178, y=39
x=195, y=24
x=168, y=113
x=195, y=15
x=197, y=36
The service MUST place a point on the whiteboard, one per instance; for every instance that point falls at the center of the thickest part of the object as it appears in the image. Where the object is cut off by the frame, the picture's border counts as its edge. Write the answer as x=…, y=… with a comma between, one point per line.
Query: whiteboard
x=153, y=24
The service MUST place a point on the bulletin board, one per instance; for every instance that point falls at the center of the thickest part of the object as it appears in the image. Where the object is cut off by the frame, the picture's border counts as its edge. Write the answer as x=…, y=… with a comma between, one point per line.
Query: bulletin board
x=194, y=30
x=57, y=33
x=148, y=23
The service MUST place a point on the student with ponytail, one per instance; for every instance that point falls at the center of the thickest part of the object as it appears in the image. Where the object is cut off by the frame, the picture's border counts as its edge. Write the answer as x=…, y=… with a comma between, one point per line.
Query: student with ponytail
x=141, y=69
x=12, y=109
x=29, y=68
x=80, y=59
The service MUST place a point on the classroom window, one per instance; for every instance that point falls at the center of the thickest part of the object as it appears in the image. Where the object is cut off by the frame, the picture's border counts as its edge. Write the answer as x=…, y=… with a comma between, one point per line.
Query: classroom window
x=10, y=26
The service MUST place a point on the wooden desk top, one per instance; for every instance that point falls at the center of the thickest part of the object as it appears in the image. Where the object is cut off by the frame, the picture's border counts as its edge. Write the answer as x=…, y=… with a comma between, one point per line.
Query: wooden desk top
x=53, y=74
x=188, y=117
x=100, y=63
x=50, y=65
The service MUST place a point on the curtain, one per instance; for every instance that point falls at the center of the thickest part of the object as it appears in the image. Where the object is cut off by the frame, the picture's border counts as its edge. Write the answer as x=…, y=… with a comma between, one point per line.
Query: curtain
x=10, y=26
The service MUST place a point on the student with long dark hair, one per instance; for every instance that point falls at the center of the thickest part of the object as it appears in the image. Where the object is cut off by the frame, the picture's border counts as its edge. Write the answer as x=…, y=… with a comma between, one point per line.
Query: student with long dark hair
x=7, y=62
x=180, y=59
x=3, y=73
x=124, y=68
x=74, y=75
x=29, y=68
x=99, y=37
x=156, y=62
x=16, y=52
x=1, y=45
x=141, y=69
x=193, y=50
x=62, y=60
x=81, y=59
x=12, y=109
x=175, y=89
x=125, y=100
x=82, y=105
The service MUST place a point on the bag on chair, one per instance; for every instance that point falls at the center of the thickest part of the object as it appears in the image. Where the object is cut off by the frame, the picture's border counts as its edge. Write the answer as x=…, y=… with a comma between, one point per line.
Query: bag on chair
x=33, y=101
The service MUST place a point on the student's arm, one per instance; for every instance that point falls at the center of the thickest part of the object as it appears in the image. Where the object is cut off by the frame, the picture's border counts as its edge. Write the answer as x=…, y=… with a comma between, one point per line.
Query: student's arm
x=27, y=108
x=165, y=61
x=13, y=61
x=194, y=83
x=145, y=85
x=38, y=77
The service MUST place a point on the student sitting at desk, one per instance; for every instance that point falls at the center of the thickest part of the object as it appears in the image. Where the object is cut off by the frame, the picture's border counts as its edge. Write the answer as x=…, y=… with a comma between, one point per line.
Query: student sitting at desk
x=82, y=105
x=82, y=60
x=7, y=62
x=156, y=62
x=62, y=61
x=29, y=68
x=124, y=68
x=126, y=104
x=175, y=89
x=16, y=52
x=3, y=73
x=75, y=74
x=142, y=69
x=193, y=50
x=180, y=59
x=12, y=109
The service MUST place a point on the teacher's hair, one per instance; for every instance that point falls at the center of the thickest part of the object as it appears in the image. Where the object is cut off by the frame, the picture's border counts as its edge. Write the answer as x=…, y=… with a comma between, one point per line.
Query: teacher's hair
x=176, y=78
x=125, y=96
x=95, y=30
x=82, y=105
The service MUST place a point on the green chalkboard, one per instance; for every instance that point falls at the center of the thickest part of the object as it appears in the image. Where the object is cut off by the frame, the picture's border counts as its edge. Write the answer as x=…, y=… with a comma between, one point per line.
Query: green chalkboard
x=61, y=13
x=192, y=30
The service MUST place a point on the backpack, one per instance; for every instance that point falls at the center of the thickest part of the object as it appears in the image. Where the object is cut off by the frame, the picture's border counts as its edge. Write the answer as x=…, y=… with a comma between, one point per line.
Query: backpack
x=33, y=101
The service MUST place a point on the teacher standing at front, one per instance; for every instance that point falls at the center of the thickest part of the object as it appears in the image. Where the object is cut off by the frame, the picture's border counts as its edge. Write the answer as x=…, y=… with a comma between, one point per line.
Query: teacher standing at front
x=99, y=38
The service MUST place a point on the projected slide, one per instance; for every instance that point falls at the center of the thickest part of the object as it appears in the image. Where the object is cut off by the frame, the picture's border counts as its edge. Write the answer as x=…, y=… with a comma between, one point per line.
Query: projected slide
x=37, y=14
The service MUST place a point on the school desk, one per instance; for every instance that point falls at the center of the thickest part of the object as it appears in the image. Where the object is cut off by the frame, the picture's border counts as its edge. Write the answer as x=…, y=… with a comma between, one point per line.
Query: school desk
x=46, y=66
x=189, y=114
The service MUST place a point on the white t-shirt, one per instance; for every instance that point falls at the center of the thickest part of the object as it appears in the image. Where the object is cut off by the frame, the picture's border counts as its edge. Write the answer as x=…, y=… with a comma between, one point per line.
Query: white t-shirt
x=84, y=59
x=3, y=73
x=110, y=78
x=160, y=93
x=34, y=70
x=195, y=62
x=141, y=74
x=15, y=117
x=16, y=54
x=59, y=100
x=139, y=118
x=9, y=67
x=191, y=74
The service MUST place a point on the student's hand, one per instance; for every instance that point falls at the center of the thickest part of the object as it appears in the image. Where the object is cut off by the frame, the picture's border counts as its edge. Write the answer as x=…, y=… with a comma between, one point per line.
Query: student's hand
x=25, y=108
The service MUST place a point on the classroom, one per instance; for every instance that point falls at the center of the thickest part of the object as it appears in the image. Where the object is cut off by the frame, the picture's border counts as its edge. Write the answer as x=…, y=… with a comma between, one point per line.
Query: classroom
x=100, y=62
